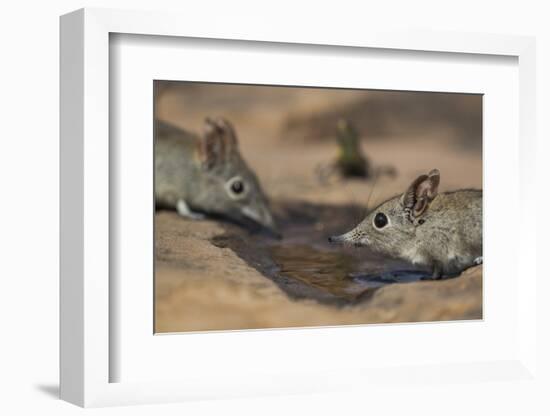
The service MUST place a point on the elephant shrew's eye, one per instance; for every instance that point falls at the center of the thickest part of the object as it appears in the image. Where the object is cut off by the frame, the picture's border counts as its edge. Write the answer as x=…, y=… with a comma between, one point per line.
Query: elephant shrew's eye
x=237, y=187
x=380, y=220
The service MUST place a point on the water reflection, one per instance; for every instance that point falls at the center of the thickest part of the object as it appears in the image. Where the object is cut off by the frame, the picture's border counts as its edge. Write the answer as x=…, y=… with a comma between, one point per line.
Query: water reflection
x=339, y=273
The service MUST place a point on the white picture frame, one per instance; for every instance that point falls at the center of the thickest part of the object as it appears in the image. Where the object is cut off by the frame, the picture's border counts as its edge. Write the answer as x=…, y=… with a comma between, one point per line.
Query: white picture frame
x=87, y=356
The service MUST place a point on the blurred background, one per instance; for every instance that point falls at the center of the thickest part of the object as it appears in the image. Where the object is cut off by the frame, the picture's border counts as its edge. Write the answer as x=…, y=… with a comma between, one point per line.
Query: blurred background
x=287, y=133
x=212, y=275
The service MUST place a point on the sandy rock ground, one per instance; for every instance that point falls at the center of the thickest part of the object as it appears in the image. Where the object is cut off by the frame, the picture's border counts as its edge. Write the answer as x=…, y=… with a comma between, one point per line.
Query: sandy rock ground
x=201, y=285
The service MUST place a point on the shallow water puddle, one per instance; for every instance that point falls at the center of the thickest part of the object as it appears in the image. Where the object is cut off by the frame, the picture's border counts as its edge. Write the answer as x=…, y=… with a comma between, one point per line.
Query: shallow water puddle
x=338, y=273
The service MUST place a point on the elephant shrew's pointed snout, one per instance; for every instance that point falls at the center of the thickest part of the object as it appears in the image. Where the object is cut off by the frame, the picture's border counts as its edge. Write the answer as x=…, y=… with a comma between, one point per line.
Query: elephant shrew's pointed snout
x=336, y=238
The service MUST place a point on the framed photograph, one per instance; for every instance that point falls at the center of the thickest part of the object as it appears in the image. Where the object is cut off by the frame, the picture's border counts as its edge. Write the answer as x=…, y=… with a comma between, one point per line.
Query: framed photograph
x=268, y=212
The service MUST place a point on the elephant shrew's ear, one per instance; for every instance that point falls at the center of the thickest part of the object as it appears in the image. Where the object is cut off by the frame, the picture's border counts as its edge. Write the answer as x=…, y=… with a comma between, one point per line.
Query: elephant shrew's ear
x=219, y=143
x=420, y=193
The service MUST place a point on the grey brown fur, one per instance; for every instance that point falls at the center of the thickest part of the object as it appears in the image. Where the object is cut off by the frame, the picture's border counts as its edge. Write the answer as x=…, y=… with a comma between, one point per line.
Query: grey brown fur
x=441, y=231
x=196, y=175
